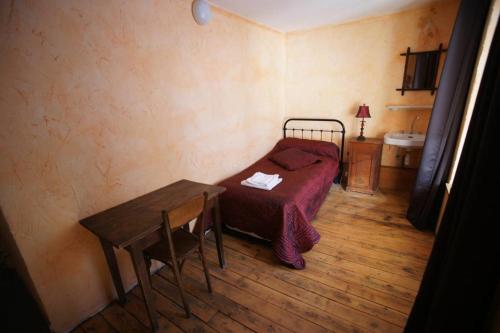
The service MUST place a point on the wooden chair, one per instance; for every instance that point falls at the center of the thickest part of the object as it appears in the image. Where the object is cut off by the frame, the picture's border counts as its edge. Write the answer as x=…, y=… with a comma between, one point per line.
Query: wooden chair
x=179, y=243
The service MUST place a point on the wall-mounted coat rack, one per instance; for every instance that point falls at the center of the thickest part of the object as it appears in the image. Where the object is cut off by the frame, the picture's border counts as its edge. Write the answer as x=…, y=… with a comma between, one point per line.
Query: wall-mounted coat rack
x=421, y=69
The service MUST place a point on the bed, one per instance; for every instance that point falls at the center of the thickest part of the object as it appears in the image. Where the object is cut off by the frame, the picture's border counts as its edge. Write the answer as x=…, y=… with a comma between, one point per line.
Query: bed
x=283, y=215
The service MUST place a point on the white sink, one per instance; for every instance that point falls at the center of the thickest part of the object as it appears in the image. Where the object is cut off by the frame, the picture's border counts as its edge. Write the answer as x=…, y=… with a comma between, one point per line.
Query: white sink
x=405, y=140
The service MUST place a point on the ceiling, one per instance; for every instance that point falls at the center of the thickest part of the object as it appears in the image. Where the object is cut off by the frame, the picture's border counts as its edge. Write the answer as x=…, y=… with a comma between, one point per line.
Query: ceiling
x=292, y=15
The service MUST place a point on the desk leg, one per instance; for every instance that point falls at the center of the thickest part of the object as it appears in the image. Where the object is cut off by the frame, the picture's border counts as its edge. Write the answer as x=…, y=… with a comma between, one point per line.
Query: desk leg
x=142, y=273
x=109, y=253
x=218, y=232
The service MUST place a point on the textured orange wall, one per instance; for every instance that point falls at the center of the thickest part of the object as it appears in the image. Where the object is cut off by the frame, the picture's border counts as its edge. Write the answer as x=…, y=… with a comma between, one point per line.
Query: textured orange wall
x=102, y=101
x=332, y=70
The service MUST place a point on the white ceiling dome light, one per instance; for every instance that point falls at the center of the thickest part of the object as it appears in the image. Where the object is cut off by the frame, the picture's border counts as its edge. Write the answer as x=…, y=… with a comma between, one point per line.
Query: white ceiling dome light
x=201, y=11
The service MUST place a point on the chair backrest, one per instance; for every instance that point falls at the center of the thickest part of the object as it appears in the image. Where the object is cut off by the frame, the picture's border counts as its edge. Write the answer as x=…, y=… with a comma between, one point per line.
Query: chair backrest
x=186, y=212
x=182, y=215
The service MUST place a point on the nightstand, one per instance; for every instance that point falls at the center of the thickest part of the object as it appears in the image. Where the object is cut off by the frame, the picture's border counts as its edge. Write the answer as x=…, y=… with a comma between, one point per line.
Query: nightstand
x=364, y=165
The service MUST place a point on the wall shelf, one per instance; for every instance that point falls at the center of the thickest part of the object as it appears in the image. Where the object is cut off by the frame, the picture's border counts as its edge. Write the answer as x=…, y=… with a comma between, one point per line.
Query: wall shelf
x=408, y=107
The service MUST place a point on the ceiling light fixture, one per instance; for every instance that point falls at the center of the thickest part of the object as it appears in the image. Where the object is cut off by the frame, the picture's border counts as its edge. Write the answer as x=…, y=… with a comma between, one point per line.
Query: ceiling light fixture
x=201, y=11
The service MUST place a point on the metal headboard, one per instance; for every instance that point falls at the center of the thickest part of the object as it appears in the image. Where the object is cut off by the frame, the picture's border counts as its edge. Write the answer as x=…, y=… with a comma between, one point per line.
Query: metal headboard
x=322, y=133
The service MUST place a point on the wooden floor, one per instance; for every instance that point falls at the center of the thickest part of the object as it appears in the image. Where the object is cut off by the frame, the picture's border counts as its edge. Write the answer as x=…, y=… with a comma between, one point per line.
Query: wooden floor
x=362, y=277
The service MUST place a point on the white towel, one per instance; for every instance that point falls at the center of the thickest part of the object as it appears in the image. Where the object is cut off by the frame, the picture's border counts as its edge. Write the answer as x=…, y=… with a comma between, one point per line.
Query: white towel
x=268, y=187
x=262, y=181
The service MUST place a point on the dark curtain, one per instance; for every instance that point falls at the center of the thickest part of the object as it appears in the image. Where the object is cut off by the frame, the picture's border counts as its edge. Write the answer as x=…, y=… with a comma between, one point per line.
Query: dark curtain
x=447, y=114
x=459, y=285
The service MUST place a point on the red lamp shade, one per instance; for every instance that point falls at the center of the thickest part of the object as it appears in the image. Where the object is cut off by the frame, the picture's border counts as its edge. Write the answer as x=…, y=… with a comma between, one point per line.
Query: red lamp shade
x=363, y=112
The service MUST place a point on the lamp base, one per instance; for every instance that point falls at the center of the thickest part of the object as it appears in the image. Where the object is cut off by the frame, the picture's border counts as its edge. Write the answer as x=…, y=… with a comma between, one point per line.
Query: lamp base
x=361, y=138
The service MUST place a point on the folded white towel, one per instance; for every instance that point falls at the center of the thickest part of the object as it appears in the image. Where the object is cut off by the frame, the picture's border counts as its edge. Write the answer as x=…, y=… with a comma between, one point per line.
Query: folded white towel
x=262, y=179
x=267, y=187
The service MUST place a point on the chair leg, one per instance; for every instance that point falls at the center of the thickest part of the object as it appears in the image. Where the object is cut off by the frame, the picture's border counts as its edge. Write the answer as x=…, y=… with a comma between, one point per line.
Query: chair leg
x=181, y=264
x=148, y=265
x=205, y=268
x=178, y=279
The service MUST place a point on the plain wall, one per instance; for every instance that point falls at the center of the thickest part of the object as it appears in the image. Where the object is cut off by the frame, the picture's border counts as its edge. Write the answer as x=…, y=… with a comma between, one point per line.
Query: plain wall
x=332, y=70
x=102, y=101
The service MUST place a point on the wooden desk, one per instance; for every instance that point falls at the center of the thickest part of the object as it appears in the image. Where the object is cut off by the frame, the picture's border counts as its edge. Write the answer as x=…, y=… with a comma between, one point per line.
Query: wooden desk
x=136, y=224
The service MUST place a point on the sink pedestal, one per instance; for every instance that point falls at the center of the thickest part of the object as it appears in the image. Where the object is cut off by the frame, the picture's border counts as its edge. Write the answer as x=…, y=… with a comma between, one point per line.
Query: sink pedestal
x=406, y=158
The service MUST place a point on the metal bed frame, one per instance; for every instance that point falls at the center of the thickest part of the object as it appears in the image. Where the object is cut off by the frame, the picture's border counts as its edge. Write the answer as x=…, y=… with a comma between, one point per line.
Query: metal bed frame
x=321, y=132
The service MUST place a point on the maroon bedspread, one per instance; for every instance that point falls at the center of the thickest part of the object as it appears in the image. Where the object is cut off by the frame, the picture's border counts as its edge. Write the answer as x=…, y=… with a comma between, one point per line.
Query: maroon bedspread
x=282, y=215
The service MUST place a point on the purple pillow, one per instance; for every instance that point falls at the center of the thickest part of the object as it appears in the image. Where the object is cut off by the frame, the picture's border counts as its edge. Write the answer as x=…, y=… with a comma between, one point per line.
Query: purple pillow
x=293, y=158
x=321, y=148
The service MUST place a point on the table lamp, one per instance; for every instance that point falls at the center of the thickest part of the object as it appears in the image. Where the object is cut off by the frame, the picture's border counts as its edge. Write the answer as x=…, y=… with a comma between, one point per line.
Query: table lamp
x=363, y=112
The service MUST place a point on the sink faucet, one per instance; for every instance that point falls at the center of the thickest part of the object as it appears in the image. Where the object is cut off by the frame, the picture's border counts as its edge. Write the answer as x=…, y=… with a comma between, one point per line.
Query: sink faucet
x=413, y=124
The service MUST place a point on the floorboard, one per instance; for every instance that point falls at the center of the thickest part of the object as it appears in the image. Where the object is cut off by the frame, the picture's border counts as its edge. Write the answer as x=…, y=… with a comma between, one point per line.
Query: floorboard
x=362, y=277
